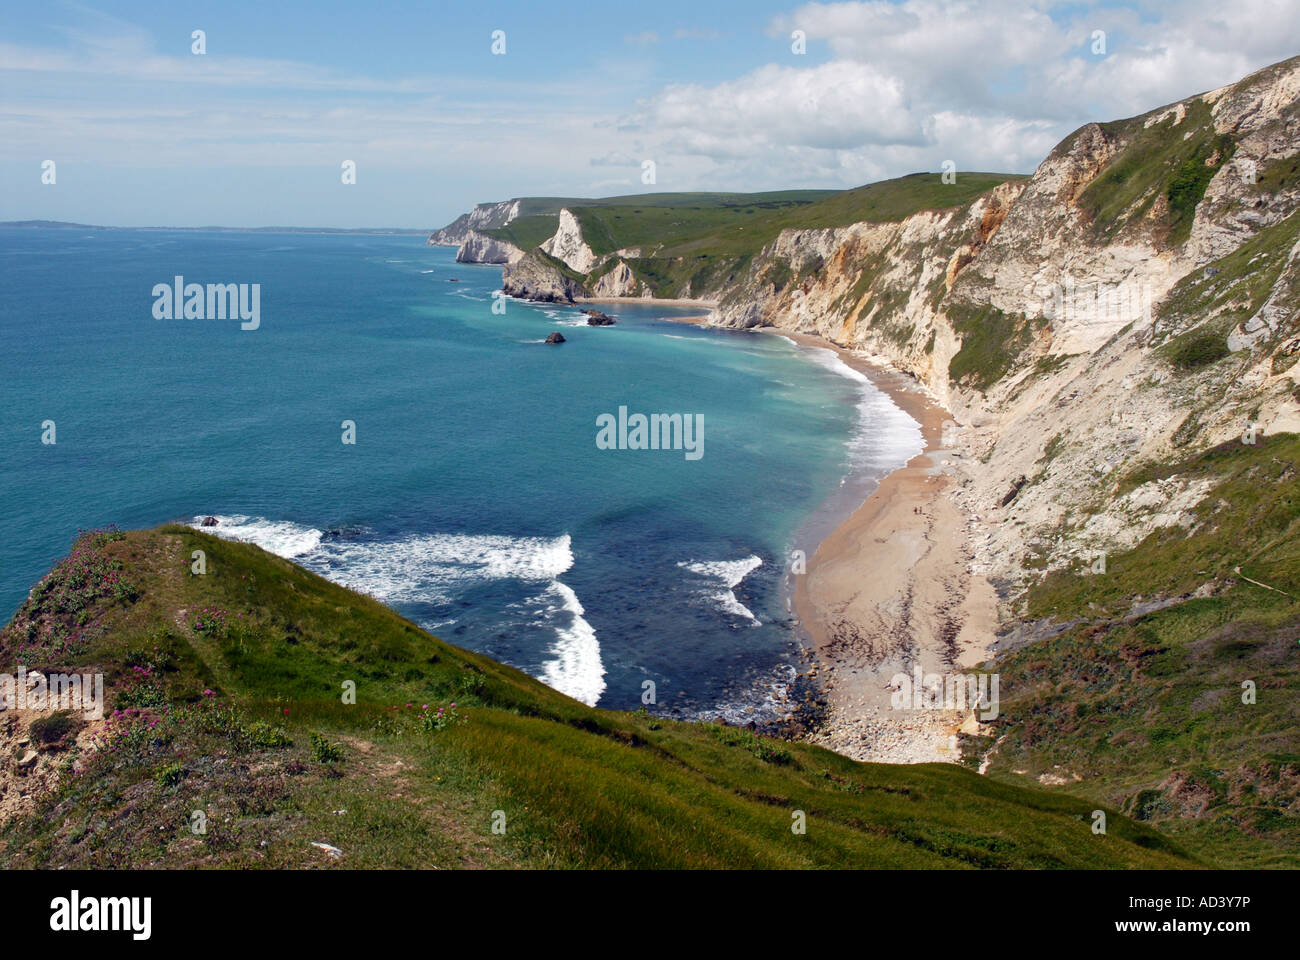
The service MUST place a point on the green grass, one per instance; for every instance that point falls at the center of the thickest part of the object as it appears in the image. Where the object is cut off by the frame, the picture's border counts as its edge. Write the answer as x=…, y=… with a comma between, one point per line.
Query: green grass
x=990, y=343
x=527, y=232
x=1146, y=707
x=1197, y=350
x=1234, y=287
x=745, y=224
x=254, y=734
x=1170, y=160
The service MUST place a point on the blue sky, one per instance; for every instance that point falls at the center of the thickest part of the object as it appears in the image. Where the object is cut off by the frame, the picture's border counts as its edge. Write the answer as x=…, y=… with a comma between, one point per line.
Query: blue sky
x=142, y=131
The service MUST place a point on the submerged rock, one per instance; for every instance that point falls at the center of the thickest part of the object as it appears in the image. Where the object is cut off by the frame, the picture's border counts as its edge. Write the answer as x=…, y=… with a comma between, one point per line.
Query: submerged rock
x=209, y=522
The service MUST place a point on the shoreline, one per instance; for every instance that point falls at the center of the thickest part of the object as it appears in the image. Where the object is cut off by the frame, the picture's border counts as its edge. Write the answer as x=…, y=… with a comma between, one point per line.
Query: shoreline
x=890, y=588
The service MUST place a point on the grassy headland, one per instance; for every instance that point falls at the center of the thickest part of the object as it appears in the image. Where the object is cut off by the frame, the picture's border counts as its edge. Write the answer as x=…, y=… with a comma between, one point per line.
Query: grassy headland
x=228, y=692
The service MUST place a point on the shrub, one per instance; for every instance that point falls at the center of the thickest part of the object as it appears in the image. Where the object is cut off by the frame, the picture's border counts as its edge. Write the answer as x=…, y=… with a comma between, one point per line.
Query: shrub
x=230, y=722
x=87, y=574
x=169, y=776
x=140, y=688
x=142, y=695
x=766, y=750
x=55, y=729
x=261, y=734
x=471, y=684
x=1198, y=351
x=323, y=751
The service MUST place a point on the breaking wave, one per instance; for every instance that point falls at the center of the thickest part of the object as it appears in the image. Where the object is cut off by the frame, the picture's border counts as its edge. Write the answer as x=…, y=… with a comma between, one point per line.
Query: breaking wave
x=723, y=576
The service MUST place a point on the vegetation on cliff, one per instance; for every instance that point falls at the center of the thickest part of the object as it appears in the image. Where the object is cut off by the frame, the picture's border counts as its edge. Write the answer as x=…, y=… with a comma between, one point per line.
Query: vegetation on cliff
x=1173, y=692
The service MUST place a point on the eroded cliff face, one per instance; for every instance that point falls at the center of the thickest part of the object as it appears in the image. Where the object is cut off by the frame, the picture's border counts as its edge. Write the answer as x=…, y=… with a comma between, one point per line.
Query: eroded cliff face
x=481, y=248
x=538, y=276
x=484, y=216
x=620, y=281
x=876, y=287
x=567, y=244
x=1055, y=317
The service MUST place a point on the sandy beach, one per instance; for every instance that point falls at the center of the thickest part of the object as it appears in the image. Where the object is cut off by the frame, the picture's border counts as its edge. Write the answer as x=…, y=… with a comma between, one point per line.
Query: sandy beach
x=891, y=589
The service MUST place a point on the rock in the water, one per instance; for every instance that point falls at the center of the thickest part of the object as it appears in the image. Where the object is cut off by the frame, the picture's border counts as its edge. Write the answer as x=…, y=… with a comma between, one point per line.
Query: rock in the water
x=209, y=522
x=555, y=337
x=597, y=319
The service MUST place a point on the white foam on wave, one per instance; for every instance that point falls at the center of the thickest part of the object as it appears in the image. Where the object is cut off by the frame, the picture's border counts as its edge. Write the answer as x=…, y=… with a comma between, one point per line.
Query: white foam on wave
x=564, y=317
x=577, y=669
x=281, y=537
x=886, y=438
x=434, y=567
x=725, y=576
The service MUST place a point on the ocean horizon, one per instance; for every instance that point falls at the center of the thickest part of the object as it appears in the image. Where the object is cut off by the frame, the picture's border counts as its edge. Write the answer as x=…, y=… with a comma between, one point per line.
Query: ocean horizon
x=475, y=498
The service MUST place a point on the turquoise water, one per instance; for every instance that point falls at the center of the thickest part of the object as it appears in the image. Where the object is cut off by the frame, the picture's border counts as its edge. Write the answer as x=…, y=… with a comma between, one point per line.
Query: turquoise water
x=475, y=499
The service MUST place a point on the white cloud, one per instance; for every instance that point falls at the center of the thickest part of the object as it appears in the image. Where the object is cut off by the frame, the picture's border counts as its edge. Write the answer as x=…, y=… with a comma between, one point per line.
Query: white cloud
x=615, y=158
x=885, y=89
x=991, y=85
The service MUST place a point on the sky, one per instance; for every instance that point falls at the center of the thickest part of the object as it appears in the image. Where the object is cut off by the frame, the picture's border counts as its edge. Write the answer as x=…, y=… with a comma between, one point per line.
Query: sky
x=717, y=94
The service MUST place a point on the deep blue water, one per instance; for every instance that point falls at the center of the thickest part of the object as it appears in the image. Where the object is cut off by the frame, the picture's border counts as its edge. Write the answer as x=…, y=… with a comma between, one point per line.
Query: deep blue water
x=475, y=499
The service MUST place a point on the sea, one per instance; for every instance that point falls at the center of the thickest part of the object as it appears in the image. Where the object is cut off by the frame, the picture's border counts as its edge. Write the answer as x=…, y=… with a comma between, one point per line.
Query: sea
x=395, y=424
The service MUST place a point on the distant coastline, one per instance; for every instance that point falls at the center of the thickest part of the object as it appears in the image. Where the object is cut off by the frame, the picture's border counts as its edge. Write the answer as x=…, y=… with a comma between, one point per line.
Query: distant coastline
x=65, y=225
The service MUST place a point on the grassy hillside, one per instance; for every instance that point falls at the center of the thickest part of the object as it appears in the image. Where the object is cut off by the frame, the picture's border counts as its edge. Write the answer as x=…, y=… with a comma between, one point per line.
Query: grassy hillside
x=1169, y=163
x=227, y=695
x=1162, y=170
x=1141, y=698
x=735, y=224
x=539, y=216
x=691, y=244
